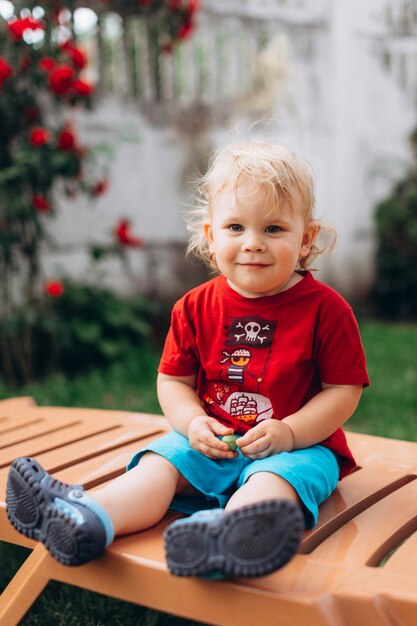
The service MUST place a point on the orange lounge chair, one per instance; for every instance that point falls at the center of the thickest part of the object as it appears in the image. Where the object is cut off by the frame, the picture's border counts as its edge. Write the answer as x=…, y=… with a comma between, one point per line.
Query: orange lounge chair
x=345, y=574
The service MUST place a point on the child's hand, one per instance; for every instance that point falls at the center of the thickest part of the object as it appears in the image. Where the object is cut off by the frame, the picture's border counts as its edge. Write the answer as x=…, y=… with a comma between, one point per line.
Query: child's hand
x=202, y=435
x=265, y=439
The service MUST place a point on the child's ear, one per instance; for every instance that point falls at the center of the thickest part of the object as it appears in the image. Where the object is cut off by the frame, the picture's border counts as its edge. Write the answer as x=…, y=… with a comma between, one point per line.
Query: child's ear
x=208, y=232
x=309, y=237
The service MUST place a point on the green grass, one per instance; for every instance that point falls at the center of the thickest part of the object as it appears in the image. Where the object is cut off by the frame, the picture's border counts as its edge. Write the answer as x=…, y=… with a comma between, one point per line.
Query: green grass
x=387, y=408
x=127, y=384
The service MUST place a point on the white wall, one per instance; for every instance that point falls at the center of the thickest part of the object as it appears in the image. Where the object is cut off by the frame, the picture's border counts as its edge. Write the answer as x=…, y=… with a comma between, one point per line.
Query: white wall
x=337, y=106
x=145, y=187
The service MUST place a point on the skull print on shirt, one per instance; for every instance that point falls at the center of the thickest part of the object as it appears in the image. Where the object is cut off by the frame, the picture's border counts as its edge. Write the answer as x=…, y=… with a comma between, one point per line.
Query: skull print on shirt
x=244, y=359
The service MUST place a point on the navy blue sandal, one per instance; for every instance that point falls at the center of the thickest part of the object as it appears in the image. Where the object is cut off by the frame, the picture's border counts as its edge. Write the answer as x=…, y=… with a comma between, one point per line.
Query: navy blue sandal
x=254, y=540
x=59, y=515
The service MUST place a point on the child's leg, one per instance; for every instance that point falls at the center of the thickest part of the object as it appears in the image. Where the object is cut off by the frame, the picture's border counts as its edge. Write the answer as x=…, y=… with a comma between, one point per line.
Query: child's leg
x=140, y=498
x=262, y=486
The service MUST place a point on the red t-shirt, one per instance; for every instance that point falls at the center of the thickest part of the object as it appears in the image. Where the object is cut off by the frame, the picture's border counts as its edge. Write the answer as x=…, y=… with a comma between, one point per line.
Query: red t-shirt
x=263, y=358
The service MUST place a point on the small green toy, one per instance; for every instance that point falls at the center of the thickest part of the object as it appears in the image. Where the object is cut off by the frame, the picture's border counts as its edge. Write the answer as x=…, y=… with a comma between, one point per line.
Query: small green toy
x=231, y=441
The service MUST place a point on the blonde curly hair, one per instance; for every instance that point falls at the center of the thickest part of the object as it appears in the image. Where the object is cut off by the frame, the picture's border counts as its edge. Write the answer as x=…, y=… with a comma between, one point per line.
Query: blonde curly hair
x=284, y=177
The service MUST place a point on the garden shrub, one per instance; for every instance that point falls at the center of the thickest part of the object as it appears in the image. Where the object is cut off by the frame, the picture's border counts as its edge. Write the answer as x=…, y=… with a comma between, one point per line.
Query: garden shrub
x=80, y=328
x=43, y=70
x=394, y=293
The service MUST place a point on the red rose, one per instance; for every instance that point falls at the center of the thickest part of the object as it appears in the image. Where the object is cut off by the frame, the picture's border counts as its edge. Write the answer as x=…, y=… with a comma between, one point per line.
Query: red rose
x=5, y=70
x=185, y=30
x=53, y=288
x=66, y=140
x=41, y=204
x=47, y=63
x=78, y=58
x=125, y=237
x=100, y=187
x=61, y=79
x=193, y=5
x=76, y=55
x=38, y=136
x=18, y=26
x=81, y=88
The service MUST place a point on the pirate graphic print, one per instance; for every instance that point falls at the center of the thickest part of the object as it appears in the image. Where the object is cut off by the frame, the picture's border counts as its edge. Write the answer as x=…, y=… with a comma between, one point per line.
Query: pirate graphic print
x=239, y=359
x=243, y=362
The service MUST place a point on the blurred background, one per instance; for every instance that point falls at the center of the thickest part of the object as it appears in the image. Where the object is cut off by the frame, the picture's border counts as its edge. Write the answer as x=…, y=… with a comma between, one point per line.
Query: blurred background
x=336, y=81
x=110, y=109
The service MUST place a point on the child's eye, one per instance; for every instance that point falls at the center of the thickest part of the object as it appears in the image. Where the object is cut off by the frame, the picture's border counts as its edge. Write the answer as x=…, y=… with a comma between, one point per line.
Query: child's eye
x=236, y=228
x=273, y=228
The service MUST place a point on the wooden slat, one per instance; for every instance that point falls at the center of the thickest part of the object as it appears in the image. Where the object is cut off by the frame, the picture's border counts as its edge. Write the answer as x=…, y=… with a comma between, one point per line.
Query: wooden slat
x=35, y=430
x=90, y=447
x=103, y=467
x=11, y=404
x=372, y=534
x=72, y=432
x=93, y=446
x=354, y=494
x=11, y=423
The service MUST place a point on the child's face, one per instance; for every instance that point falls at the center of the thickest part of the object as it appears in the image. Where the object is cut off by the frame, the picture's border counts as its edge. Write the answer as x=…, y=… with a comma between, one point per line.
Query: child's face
x=255, y=248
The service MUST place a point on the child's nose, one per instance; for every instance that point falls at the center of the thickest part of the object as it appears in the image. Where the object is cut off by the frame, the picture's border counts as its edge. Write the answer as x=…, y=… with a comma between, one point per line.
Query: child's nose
x=253, y=242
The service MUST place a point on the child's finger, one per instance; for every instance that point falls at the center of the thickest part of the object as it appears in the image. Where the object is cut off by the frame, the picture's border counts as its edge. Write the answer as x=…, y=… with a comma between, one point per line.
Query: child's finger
x=211, y=441
x=247, y=438
x=214, y=453
x=249, y=441
x=214, y=448
x=257, y=446
x=220, y=429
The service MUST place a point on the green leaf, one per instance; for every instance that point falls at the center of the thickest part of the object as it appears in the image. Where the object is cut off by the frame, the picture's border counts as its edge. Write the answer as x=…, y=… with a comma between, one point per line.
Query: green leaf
x=87, y=332
x=110, y=349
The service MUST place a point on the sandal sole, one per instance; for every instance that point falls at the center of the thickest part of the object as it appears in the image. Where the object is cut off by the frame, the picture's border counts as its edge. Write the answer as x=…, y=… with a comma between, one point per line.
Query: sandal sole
x=251, y=541
x=33, y=514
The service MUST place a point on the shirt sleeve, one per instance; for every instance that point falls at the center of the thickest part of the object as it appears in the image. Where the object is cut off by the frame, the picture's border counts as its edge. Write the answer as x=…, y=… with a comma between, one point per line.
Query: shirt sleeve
x=340, y=354
x=180, y=353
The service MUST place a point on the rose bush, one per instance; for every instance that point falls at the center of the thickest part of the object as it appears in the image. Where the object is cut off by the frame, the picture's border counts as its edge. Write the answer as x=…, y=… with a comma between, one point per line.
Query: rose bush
x=40, y=79
x=42, y=76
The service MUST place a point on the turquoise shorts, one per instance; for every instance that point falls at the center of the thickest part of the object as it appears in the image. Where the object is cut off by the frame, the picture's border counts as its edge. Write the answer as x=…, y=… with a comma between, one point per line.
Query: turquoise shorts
x=312, y=472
